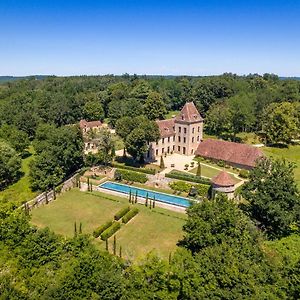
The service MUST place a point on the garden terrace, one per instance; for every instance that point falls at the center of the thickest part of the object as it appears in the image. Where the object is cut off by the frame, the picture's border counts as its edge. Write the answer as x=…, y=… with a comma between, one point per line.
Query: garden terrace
x=156, y=229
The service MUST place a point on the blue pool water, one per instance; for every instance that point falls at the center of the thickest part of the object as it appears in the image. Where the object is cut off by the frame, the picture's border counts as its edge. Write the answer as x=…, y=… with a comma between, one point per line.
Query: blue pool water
x=124, y=188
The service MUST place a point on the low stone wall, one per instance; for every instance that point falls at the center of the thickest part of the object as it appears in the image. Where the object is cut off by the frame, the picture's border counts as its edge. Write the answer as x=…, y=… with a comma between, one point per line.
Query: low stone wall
x=46, y=197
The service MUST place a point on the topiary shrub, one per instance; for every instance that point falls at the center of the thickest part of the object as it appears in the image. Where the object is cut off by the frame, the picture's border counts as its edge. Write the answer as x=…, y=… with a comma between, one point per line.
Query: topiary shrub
x=110, y=231
x=139, y=170
x=130, y=215
x=121, y=213
x=131, y=176
x=181, y=186
x=244, y=173
x=187, y=177
x=100, y=229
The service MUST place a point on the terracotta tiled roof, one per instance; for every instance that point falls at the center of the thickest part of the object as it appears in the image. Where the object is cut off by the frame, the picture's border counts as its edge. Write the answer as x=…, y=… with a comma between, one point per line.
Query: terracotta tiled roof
x=223, y=179
x=228, y=151
x=91, y=124
x=166, y=127
x=189, y=113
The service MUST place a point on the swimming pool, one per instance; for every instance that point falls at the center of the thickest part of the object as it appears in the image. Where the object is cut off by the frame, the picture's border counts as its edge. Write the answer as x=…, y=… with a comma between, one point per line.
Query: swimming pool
x=162, y=197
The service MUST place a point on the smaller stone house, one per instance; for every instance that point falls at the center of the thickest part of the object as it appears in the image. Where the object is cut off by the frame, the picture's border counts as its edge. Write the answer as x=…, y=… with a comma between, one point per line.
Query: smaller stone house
x=90, y=143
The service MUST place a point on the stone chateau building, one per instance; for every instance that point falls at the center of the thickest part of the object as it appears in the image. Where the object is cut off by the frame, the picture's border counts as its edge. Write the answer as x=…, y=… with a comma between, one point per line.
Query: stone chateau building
x=181, y=134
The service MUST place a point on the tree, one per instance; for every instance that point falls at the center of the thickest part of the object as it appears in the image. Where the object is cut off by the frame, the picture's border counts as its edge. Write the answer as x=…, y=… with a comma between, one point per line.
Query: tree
x=18, y=139
x=93, y=110
x=154, y=106
x=10, y=164
x=162, y=163
x=106, y=146
x=218, y=119
x=281, y=122
x=59, y=153
x=272, y=196
x=198, y=173
x=136, y=144
x=213, y=222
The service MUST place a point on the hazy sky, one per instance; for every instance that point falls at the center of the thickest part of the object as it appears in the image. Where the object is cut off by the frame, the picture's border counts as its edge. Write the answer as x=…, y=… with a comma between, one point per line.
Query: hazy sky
x=70, y=37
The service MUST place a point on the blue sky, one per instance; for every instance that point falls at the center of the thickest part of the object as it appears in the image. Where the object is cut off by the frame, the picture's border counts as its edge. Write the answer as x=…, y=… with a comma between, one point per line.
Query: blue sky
x=65, y=37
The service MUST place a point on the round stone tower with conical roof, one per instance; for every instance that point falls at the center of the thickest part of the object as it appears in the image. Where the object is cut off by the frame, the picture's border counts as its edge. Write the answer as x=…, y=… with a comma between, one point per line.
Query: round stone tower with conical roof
x=223, y=183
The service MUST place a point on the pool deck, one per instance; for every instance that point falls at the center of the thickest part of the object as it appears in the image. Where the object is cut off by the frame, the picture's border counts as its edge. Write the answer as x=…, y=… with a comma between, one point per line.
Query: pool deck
x=143, y=200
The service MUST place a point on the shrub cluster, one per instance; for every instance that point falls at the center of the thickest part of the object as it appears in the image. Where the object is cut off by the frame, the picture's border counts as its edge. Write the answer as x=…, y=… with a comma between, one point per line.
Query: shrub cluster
x=102, y=228
x=130, y=215
x=181, y=186
x=110, y=231
x=130, y=176
x=121, y=213
x=244, y=173
x=187, y=177
x=140, y=170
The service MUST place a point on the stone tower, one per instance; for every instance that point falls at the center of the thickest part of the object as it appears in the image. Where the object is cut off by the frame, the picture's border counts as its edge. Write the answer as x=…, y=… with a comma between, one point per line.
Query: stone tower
x=188, y=130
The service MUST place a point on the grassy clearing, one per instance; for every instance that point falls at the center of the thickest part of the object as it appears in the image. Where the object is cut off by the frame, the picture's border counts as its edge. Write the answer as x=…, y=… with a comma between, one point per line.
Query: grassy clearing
x=157, y=229
x=292, y=154
x=20, y=191
x=172, y=113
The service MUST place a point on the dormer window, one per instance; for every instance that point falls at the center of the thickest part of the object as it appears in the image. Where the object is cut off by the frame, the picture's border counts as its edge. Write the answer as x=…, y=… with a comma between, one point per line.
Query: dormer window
x=182, y=117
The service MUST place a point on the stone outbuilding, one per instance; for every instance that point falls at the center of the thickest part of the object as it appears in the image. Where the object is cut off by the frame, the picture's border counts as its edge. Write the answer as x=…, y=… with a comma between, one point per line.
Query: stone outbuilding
x=223, y=183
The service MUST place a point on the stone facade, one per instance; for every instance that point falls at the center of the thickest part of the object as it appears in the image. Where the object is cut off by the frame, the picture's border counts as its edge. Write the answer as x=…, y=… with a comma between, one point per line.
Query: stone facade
x=181, y=134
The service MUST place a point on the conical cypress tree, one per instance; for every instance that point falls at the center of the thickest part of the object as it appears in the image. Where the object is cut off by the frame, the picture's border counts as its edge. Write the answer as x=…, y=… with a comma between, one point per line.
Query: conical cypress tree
x=91, y=187
x=120, y=252
x=170, y=258
x=162, y=163
x=106, y=244
x=198, y=169
x=75, y=228
x=153, y=204
x=88, y=183
x=130, y=196
x=136, y=195
x=115, y=245
x=146, y=202
x=46, y=197
x=80, y=228
x=54, y=193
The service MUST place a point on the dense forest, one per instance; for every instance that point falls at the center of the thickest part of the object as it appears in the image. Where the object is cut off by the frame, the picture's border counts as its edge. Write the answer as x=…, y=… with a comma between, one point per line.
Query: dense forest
x=227, y=252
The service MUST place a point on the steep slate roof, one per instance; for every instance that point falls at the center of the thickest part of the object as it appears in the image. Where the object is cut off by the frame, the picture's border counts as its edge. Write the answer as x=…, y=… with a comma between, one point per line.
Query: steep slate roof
x=228, y=151
x=223, y=179
x=166, y=127
x=91, y=124
x=189, y=113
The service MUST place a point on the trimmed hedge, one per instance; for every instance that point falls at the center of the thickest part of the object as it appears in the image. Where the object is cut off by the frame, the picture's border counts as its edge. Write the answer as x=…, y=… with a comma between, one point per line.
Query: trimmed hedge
x=181, y=186
x=187, y=177
x=139, y=170
x=130, y=176
x=130, y=215
x=121, y=213
x=100, y=229
x=244, y=173
x=110, y=231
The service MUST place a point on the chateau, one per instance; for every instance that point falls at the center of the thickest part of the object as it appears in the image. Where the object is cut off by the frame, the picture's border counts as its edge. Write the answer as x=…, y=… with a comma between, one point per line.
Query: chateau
x=181, y=134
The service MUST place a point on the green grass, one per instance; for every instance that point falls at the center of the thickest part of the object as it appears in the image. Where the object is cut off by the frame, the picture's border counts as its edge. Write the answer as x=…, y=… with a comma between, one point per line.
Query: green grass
x=292, y=154
x=157, y=229
x=211, y=172
x=20, y=191
x=172, y=113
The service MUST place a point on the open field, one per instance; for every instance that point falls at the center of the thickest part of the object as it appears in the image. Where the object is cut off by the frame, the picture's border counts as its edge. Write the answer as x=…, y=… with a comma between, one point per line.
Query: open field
x=292, y=154
x=157, y=229
x=20, y=191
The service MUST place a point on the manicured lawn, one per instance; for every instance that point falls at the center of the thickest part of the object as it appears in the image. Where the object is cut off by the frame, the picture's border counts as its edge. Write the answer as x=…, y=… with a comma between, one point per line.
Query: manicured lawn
x=20, y=191
x=211, y=172
x=206, y=171
x=292, y=154
x=157, y=229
